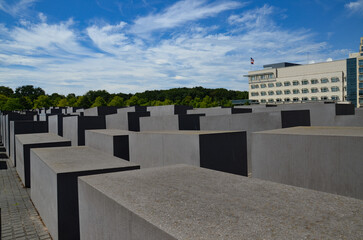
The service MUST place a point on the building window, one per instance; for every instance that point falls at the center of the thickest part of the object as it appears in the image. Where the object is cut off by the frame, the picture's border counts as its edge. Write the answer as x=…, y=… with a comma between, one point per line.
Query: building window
x=278, y=92
x=361, y=70
x=304, y=99
x=287, y=84
x=314, y=99
x=287, y=92
x=271, y=75
x=334, y=79
x=314, y=81
x=270, y=100
x=295, y=83
x=270, y=93
x=263, y=93
x=287, y=99
x=296, y=91
x=360, y=62
x=361, y=77
x=263, y=100
x=254, y=94
x=271, y=85
x=335, y=89
x=324, y=98
x=253, y=87
x=295, y=99
x=278, y=84
x=262, y=76
x=305, y=82
x=324, y=80
x=278, y=100
x=305, y=90
x=336, y=98
x=314, y=90
x=263, y=85
x=360, y=85
x=324, y=89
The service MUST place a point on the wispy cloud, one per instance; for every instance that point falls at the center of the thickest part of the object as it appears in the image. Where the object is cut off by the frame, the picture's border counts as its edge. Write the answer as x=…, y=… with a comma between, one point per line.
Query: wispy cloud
x=16, y=9
x=180, y=13
x=355, y=7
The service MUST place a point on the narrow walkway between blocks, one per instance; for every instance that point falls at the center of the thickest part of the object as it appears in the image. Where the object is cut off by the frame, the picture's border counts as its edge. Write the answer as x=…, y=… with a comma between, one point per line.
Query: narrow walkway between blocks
x=19, y=218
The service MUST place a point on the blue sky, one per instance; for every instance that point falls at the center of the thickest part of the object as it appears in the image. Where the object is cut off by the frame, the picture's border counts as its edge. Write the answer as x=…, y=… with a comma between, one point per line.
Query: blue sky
x=136, y=45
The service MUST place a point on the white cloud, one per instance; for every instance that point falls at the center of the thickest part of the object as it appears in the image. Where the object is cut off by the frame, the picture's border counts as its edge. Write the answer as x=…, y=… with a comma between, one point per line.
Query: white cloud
x=180, y=13
x=16, y=9
x=355, y=7
x=56, y=57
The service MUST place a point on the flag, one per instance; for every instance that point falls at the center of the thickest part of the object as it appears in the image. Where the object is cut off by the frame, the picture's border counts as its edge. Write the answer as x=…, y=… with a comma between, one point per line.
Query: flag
x=252, y=61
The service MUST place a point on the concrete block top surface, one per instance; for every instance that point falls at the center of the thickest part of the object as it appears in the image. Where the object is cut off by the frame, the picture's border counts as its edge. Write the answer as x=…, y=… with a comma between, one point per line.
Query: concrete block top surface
x=78, y=159
x=189, y=202
x=111, y=132
x=321, y=131
x=187, y=132
x=40, y=138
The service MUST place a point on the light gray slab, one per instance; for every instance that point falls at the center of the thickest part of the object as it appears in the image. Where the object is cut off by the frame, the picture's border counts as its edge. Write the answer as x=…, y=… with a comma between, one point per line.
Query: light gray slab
x=54, y=183
x=321, y=158
x=186, y=202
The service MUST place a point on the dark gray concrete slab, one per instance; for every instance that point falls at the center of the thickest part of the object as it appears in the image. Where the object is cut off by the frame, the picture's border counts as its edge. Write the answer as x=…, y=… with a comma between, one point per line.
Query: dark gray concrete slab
x=111, y=141
x=171, y=122
x=125, y=120
x=326, y=159
x=23, y=127
x=74, y=127
x=186, y=202
x=168, y=110
x=100, y=111
x=219, y=150
x=54, y=190
x=25, y=142
x=218, y=111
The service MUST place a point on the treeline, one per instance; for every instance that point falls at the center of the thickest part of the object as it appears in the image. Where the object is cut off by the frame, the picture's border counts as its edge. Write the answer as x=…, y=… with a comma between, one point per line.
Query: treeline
x=30, y=97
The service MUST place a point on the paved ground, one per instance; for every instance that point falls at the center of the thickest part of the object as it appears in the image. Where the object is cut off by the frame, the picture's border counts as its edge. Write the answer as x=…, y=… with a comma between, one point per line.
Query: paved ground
x=19, y=218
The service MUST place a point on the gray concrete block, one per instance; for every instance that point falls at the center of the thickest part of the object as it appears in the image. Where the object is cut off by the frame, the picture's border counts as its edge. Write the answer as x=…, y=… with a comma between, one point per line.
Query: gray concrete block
x=132, y=109
x=186, y=202
x=25, y=142
x=214, y=111
x=171, y=122
x=125, y=120
x=100, y=111
x=168, y=110
x=218, y=150
x=73, y=109
x=23, y=127
x=54, y=190
x=111, y=141
x=249, y=122
x=326, y=159
x=74, y=127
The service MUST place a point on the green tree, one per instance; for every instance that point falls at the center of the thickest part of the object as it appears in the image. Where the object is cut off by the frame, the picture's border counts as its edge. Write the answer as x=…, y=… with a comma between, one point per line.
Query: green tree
x=6, y=91
x=117, y=101
x=26, y=102
x=42, y=101
x=13, y=104
x=83, y=102
x=133, y=101
x=29, y=91
x=99, y=102
x=63, y=103
x=3, y=100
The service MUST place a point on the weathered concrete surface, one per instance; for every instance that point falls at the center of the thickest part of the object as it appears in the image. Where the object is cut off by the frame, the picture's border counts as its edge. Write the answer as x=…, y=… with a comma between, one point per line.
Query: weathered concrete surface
x=249, y=122
x=54, y=190
x=100, y=111
x=171, y=122
x=132, y=109
x=24, y=142
x=74, y=127
x=218, y=111
x=218, y=150
x=186, y=202
x=326, y=159
x=23, y=127
x=55, y=124
x=111, y=141
x=168, y=110
x=125, y=119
